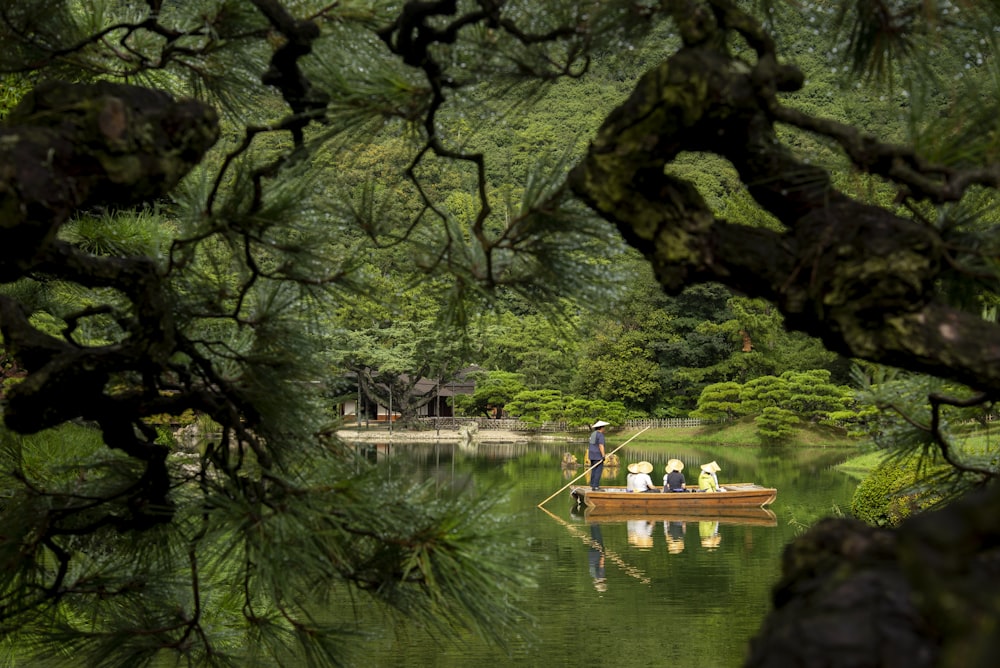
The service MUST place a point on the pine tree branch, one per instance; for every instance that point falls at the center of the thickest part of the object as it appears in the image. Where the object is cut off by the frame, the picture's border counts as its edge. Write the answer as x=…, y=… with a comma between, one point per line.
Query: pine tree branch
x=857, y=276
x=69, y=147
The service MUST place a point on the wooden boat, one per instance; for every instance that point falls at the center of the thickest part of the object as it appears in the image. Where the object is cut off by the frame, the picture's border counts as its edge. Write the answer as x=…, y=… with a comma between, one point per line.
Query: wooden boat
x=617, y=499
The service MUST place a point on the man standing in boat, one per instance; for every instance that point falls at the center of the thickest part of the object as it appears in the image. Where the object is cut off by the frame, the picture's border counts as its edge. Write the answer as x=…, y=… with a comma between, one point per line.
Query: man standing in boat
x=595, y=453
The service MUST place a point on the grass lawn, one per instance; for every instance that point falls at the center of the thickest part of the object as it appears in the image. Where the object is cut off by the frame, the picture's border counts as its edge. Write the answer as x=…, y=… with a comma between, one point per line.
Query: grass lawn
x=859, y=467
x=742, y=432
x=974, y=444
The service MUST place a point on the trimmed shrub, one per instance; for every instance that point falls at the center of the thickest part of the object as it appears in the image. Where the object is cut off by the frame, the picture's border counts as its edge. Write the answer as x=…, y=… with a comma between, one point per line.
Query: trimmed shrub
x=775, y=423
x=896, y=489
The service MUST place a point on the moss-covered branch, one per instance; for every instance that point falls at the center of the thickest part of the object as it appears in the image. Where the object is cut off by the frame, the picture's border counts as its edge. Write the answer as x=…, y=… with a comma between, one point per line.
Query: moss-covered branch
x=857, y=276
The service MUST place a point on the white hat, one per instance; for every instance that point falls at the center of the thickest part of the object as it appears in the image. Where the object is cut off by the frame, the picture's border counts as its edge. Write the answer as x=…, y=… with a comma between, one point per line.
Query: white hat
x=599, y=424
x=711, y=467
x=674, y=465
x=640, y=467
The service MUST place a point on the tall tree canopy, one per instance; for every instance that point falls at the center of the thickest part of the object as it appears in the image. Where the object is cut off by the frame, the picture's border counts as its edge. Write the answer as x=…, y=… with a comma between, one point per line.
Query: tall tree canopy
x=243, y=128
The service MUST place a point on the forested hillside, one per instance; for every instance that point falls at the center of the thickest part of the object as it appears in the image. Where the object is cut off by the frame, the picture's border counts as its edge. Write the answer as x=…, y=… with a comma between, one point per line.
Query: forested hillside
x=611, y=333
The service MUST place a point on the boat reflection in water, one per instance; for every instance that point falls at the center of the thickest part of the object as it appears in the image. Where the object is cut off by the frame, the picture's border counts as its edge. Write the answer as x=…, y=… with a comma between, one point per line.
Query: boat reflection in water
x=640, y=533
x=674, y=531
x=749, y=516
x=676, y=524
x=761, y=517
x=710, y=536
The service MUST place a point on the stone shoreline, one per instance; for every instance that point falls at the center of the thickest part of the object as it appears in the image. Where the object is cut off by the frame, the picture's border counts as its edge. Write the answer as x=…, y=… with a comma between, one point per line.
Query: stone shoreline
x=449, y=435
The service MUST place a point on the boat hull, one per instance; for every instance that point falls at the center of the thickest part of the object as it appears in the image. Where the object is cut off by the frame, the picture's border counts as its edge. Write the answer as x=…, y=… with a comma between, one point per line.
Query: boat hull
x=618, y=500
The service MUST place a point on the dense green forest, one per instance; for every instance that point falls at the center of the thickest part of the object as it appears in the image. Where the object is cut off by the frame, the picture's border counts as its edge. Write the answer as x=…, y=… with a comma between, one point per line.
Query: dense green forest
x=231, y=214
x=611, y=333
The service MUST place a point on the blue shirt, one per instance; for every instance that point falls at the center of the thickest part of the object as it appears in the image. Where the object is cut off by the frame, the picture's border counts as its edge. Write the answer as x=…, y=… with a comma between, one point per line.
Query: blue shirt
x=596, y=441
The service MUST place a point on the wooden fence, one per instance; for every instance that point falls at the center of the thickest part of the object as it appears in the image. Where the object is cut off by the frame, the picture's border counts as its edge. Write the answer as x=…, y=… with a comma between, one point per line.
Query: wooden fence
x=665, y=423
x=485, y=424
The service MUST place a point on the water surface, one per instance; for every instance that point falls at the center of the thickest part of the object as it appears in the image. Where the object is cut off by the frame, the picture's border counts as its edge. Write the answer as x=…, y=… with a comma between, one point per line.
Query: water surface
x=627, y=591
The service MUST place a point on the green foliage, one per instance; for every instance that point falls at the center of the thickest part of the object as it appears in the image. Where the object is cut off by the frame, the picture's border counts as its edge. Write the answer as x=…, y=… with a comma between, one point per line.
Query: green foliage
x=618, y=365
x=859, y=466
x=617, y=362
x=743, y=431
x=494, y=390
x=539, y=406
x=581, y=412
x=758, y=344
x=781, y=402
x=399, y=363
x=776, y=423
x=856, y=421
x=719, y=401
x=811, y=394
x=367, y=201
x=143, y=232
x=13, y=87
x=276, y=557
x=897, y=488
x=902, y=416
x=542, y=347
x=764, y=392
x=58, y=457
x=693, y=352
x=775, y=349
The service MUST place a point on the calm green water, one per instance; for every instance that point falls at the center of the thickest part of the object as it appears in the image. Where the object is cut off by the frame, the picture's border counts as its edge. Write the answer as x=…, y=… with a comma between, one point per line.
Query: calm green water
x=688, y=594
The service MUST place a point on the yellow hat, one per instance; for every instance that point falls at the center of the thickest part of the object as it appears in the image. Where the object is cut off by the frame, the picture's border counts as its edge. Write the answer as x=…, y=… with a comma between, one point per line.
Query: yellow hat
x=674, y=465
x=711, y=467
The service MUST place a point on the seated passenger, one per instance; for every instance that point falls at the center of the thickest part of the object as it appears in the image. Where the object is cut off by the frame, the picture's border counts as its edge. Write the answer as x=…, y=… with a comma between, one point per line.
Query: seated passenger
x=640, y=480
x=708, y=481
x=673, y=481
x=633, y=469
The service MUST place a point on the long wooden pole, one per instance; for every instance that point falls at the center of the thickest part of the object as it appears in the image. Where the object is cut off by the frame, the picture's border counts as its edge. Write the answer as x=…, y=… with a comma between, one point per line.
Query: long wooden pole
x=610, y=554
x=590, y=469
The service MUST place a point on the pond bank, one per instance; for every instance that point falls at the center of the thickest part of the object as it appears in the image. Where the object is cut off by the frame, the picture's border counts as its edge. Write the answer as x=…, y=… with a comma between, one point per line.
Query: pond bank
x=449, y=435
